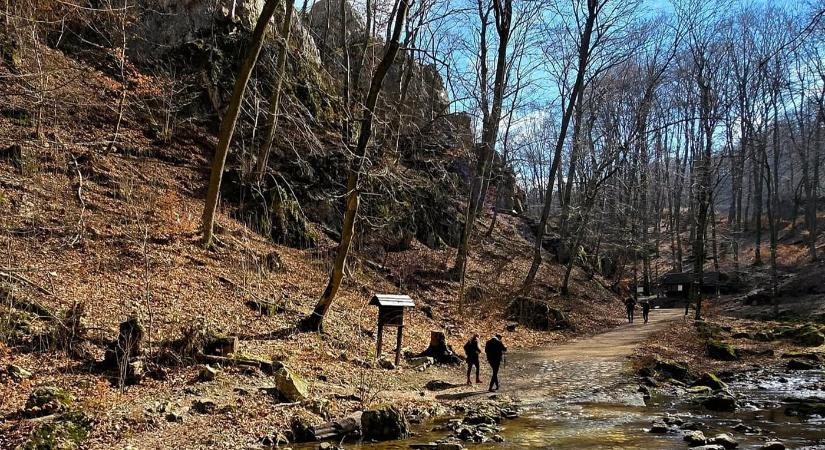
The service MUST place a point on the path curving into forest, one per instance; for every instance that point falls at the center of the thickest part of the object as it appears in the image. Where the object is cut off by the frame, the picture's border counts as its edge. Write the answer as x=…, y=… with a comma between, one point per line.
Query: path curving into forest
x=586, y=369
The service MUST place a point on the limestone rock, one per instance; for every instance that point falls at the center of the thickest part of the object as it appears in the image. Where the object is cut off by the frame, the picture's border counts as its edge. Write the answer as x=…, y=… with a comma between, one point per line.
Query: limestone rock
x=289, y=386
x=810, y=337
x=17, y=373
x=66, y=432
x=799, y=364
x=659, y=428
x=535, y=313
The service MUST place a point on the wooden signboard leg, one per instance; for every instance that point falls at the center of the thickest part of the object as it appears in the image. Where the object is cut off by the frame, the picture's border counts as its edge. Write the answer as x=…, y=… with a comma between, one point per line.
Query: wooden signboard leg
x=378, y=344
x=398, y=346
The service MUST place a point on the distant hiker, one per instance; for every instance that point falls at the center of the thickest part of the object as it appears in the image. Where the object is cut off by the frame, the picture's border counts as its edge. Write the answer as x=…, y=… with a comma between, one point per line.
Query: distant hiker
x=472, y=349
x=645, y=309
x=630, y=305
x=495, y=350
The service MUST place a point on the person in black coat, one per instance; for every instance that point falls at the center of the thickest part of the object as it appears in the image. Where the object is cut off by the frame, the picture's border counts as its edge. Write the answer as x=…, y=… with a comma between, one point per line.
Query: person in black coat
x=630, y=305
x=472, y=349
x=495, y=351
x=646, y=310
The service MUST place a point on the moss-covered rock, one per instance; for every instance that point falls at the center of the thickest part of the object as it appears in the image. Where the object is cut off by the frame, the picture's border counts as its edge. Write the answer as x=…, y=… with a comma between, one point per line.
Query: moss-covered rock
x=46, y=400
x=721, y=351
x=66, y=432
x=710, y=380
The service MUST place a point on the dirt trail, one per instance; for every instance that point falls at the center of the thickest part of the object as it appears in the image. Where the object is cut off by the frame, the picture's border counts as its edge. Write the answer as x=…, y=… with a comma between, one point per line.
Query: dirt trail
x=590, y=369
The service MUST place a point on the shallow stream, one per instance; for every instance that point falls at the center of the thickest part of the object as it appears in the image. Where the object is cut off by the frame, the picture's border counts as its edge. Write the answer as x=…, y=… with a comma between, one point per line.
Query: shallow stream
x=596, y=416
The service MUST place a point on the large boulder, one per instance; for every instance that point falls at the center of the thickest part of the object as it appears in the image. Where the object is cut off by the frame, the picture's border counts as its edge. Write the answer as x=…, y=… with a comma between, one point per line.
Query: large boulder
x=671, y=369
x=384, y=423
x=537, y=314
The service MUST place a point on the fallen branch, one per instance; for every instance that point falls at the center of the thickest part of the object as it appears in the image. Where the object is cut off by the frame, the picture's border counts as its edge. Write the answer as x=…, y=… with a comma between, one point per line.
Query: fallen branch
x=31, y=306
x=21, y=278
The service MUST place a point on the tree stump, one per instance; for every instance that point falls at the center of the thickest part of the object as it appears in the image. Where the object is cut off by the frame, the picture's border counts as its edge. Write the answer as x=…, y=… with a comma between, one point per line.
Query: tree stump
x=439, y=350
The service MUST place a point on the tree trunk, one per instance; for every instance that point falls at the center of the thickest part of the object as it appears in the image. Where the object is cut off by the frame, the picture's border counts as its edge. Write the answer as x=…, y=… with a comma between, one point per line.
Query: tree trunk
x=274, y=101
x=315, y=320
x=230, y=118
x=584, y=53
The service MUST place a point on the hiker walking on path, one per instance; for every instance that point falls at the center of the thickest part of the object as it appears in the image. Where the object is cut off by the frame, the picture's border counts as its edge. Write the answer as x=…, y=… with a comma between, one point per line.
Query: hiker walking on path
x=472, y=349
x=645, y=309
x=495, y=351
x=630, y=305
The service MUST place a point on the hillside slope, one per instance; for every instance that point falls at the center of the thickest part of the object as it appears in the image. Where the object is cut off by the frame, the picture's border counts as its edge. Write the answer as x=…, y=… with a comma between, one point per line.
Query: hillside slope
x=116, y=231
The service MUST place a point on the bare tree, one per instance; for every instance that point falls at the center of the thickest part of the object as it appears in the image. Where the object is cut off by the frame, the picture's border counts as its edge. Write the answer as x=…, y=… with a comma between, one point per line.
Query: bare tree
x=230, y=118
x=315, y=320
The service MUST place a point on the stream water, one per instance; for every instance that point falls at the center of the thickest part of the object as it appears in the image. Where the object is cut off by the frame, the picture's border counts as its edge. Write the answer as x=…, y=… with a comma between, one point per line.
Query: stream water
x=593, y=408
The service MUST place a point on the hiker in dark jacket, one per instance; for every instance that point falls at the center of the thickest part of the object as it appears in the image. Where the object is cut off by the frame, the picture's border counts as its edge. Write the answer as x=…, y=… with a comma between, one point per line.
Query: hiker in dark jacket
x=645, y=309
x=630, y=305
x=495, y=350
x=472, y=349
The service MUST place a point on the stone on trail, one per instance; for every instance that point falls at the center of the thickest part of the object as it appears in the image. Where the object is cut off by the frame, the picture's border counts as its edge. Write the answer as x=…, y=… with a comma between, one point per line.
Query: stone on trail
x=384, y=424
x=439, y=385
x=708, y=447
x=773, y=445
